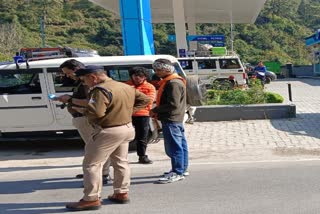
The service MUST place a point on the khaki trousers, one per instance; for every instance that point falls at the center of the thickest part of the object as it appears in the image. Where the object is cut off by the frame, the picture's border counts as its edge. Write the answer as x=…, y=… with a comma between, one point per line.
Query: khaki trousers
x=86, y=132
x=107, y=143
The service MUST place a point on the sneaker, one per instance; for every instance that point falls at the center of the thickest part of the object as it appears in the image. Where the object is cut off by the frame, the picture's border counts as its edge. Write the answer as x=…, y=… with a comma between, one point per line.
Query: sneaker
x=165, y=174
x=145, y=160
x=186, y=173
x=170, y=178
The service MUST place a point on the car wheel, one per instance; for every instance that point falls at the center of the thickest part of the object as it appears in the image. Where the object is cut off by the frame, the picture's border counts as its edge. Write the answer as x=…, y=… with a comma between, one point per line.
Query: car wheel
x=268, y=80
x=196, y=91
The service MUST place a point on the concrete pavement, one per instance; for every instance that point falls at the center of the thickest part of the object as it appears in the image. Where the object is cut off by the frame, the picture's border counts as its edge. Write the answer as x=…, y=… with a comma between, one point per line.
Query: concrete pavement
x=294, y=138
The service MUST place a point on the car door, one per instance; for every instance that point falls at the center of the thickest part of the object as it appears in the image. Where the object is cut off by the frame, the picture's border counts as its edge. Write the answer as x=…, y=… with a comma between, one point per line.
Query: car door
x=59, y=84
x=23, y=101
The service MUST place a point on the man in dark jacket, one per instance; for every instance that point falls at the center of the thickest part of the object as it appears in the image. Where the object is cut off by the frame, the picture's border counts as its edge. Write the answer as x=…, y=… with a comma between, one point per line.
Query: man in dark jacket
x=170, y=110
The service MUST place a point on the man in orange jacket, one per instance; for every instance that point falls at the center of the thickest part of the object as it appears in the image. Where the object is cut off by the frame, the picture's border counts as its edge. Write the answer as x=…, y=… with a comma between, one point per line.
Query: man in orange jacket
x=141, y=118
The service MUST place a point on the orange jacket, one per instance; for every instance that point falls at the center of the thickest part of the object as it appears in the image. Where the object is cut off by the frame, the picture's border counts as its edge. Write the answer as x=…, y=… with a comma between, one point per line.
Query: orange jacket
x=149, y=90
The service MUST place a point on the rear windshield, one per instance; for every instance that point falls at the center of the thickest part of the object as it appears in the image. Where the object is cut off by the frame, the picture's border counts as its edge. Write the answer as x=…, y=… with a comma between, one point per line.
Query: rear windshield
x=229, y=63
x=186, y=64
x=207, y=64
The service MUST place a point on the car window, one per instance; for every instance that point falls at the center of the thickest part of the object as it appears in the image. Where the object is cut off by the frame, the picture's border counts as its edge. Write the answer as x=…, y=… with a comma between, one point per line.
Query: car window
x=61, y=82
x=121, y=73
x=186, y=64
x=178, y=69
x=229, y=63
x=207, y=64
x=20, y=82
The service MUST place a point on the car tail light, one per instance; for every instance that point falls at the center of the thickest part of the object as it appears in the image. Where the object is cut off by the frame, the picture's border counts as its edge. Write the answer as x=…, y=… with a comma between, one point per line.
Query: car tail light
x=244, y=75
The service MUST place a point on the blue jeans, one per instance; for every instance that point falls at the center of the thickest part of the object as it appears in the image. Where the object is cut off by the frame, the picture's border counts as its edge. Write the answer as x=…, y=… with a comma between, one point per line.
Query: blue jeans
x=175, y=145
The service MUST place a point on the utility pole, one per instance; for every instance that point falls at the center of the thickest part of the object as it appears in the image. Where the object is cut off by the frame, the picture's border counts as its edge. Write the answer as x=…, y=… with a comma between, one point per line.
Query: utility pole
x=43, y=24
x=231, y=26
x=42, y=31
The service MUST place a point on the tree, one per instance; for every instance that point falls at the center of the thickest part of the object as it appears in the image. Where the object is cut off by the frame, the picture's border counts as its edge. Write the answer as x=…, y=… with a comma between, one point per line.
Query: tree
x=302, y=10
x=10, y=39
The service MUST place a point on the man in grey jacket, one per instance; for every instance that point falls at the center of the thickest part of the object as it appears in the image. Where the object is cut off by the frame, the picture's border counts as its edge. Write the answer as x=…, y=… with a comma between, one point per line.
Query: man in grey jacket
x=170, y=110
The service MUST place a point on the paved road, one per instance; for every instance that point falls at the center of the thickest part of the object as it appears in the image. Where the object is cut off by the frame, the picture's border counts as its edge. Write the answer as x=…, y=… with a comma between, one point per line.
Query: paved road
x=236, y=167
x=243, y=188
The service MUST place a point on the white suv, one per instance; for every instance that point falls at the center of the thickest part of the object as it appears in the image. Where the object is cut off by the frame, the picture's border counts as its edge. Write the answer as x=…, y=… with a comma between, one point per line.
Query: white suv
x=26, y=110
x=215, y=68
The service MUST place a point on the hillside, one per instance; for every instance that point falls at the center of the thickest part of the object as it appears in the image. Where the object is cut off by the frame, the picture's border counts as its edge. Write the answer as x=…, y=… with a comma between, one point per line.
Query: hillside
x=278, y=33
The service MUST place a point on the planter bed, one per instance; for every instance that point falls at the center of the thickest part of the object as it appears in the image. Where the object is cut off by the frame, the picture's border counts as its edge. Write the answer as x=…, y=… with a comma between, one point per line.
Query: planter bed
x=244, y=112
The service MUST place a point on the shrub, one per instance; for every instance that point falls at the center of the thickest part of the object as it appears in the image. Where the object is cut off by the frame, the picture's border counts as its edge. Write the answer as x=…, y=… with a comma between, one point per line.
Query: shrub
x=242, y=97
x=233, y=97
x=273, y=97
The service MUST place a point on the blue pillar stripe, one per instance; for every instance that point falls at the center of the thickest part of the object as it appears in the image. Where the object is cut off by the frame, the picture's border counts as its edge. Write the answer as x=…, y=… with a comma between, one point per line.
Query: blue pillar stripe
x=136, y=23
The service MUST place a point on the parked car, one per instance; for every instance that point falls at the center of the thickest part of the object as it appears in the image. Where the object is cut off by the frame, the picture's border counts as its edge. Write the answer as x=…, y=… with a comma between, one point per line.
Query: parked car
x=26, y=110
x=218, y=69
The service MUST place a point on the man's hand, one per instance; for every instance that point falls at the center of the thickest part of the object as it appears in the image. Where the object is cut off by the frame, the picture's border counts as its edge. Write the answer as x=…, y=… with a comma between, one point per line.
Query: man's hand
x=64, y=98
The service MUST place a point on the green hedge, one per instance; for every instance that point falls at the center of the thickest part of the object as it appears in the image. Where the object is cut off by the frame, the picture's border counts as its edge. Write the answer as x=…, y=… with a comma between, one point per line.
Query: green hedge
x=238, y=96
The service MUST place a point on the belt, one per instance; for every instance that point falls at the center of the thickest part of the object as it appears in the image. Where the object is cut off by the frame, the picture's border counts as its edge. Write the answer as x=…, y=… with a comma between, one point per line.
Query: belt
x=106, y=127
x=77, y=114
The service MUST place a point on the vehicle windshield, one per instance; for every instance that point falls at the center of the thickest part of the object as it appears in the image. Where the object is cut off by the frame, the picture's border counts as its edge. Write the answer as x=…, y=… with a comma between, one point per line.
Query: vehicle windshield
x=229, y=63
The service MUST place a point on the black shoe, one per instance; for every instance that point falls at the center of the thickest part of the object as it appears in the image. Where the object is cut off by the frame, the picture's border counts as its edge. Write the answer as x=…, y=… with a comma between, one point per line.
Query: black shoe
x=106, y=179
x=145, y=160
x=79, y=176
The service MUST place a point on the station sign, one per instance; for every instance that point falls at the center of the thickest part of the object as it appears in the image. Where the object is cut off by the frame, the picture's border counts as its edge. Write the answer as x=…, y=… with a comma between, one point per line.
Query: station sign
x=200, y=38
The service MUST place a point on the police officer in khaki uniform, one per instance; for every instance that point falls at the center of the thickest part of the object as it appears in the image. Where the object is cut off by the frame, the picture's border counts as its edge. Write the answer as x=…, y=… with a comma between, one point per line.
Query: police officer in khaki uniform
x=109, y=110
x=79, y=98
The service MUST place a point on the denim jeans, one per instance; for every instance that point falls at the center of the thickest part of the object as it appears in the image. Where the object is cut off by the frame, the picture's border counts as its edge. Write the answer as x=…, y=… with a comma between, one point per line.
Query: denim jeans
x=175, y=145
